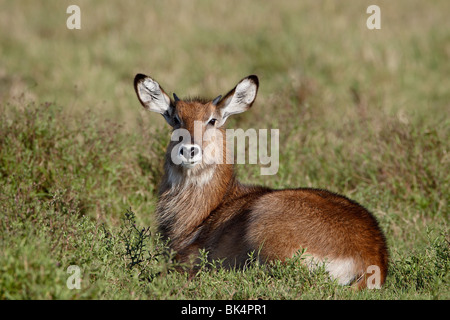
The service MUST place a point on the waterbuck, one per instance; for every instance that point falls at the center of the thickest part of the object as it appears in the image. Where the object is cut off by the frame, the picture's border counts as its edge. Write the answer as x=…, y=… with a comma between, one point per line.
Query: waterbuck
x=203, y=206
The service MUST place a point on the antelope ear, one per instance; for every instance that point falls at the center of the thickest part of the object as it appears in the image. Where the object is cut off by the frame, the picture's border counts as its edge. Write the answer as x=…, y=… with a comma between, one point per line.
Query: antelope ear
x=152, y=96
x=239, y=99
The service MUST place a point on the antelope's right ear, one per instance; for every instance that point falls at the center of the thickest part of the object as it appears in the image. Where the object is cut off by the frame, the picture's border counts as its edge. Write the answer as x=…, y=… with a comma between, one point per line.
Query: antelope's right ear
x=152, y=96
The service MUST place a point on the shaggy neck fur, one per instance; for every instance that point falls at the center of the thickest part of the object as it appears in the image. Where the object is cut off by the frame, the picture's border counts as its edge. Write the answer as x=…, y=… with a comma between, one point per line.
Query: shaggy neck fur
x=187, y=198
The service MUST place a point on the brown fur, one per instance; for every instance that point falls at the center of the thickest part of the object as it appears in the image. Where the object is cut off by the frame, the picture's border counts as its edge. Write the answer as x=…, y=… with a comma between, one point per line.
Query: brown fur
x=231, y=220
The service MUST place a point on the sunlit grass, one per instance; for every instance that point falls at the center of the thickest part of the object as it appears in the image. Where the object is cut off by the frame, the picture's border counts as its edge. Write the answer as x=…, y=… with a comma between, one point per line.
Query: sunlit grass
x=360, y=112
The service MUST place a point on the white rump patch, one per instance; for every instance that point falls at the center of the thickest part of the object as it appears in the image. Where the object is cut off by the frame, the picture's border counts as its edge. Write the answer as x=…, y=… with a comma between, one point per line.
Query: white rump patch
x=344, y=270
x=341, y=269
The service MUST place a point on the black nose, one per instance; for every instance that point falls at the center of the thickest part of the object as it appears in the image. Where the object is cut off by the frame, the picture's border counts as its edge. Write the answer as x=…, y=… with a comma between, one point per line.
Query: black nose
x=194, y=151
x=189, y=152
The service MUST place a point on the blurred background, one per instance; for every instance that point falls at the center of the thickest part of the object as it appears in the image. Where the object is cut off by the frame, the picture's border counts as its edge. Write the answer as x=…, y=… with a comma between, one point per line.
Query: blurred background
x=310, y=49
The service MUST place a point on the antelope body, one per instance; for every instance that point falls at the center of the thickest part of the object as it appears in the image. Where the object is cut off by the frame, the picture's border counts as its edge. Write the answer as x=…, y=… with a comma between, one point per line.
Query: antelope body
x=202, y=204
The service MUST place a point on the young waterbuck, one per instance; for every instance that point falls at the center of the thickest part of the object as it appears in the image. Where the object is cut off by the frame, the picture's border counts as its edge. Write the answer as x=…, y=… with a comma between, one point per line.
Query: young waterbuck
x=203, y=206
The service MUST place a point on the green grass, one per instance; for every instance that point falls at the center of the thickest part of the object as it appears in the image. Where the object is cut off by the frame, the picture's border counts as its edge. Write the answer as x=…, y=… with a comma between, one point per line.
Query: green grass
x=363, y=113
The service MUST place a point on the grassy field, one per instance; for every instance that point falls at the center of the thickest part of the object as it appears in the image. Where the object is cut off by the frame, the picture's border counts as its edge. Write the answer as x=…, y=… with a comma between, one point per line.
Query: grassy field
x=361, y=112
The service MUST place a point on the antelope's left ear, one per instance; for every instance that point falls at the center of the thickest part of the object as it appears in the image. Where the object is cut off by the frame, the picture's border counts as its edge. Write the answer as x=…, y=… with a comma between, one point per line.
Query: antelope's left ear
x=239, y=99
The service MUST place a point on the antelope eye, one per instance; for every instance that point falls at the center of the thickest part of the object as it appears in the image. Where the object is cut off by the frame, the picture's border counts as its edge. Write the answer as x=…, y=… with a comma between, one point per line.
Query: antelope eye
x=212, y=122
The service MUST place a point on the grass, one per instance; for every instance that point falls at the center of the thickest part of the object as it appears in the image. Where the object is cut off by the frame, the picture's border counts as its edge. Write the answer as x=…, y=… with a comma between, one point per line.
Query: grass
x=363, y=113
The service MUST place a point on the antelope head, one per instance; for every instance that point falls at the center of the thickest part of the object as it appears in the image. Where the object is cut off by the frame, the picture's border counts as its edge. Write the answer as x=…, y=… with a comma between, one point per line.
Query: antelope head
x=198, y=124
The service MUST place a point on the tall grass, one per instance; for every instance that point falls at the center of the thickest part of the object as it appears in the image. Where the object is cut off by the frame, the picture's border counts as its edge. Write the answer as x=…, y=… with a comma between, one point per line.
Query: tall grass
x=360, y=112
